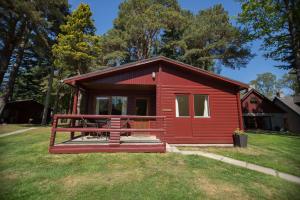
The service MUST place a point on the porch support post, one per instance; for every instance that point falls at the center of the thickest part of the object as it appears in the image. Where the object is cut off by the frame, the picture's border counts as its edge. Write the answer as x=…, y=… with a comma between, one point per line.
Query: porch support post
x=74, y=110
x=75, y=100
x=158, y=89
x=241, y=125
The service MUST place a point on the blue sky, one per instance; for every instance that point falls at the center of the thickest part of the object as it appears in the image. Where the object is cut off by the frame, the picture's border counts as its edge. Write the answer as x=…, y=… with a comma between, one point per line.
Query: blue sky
x=105, y=11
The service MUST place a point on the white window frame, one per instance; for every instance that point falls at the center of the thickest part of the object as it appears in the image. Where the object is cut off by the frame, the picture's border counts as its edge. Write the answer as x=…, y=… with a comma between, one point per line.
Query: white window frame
x=97, y=104
x=206, y=106
x=110, y=99
x=177, y=107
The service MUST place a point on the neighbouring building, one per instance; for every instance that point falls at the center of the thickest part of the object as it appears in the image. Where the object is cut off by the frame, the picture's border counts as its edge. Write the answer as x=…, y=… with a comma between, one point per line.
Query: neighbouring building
x=259, y=112
x=292, y=110
x=23, y=111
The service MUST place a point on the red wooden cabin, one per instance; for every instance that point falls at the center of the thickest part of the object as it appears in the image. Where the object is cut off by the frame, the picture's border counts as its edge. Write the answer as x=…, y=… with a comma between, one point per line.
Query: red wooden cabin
x=164, y=99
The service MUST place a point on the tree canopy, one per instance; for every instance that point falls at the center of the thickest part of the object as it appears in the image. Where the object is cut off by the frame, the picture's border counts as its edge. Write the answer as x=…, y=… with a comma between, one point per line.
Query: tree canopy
x=211, y=39
x=277, y=23
x=77, y=45
x=148, y=28
x=268, y=84
x=42, y=42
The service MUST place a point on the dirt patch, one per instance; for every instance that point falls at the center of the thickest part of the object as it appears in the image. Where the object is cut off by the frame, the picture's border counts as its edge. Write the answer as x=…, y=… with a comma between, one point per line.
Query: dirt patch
x=71, y=182
x=218, y=189
x=266, y=190
x=13, y=175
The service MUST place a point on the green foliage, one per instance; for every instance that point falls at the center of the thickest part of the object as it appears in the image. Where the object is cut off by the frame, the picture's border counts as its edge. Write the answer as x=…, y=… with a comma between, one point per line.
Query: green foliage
x=211, y=38
x=146, y=28
x=114, y=48
x=289, y=81
x=277, y=22
x=266, y=84
x=36, y=25
x=172, y=44
x=269, y=85
x=77, y=46
x=28, y=84
x=138, y=28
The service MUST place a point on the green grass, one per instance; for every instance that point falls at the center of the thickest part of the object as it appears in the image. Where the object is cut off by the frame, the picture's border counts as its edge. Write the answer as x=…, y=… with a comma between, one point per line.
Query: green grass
x=6, y=128
x=27, y=171
x=280, y=152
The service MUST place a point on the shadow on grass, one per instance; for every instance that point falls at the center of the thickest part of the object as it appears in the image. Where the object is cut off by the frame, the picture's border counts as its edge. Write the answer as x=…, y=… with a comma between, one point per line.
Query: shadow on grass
x=267, y=132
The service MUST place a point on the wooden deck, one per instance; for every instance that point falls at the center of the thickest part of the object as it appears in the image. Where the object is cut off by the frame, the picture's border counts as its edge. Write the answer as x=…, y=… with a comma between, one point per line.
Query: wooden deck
x=118, y=134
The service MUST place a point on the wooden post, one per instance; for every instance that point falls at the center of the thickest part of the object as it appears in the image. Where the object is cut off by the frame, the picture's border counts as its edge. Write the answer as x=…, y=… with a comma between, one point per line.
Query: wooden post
x=74, y=110
x=53, y=131
x=75, y=100
x=158, y=91
x=240, y=115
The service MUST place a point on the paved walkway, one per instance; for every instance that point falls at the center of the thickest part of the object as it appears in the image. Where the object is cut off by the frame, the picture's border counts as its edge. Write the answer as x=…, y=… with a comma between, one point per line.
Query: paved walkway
x=239, y=163
x=17, y=132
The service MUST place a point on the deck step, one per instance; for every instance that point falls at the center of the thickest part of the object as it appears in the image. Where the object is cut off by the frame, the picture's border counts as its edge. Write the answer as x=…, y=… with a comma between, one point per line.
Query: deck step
x=114, y=139
x=138, y=148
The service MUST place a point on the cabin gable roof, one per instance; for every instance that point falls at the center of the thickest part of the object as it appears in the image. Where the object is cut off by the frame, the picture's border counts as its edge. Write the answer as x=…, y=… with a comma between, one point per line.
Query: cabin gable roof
x=158, y=59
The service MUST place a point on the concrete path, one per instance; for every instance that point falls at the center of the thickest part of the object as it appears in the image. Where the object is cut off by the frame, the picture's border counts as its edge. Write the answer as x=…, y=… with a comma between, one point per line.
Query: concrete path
x=265, y=170
x=17, y=132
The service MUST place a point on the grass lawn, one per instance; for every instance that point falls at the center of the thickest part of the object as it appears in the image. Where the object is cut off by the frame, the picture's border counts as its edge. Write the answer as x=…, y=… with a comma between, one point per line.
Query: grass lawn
x=279, y=152
x=6, y=128
x=27, y=171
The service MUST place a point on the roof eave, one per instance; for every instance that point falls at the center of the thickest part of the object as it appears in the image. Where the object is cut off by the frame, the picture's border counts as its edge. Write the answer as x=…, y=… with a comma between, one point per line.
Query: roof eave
x=72, y=80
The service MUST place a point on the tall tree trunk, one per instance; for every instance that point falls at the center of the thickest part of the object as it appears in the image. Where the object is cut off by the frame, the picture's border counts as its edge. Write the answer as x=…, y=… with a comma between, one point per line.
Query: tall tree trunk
x=57, y=99
x=293, y=28
x=48, y=96
x=14, y=37
x=12, y=77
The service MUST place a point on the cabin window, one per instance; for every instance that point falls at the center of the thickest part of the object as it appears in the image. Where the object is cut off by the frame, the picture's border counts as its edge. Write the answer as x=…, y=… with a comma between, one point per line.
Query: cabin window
x=201, y=106
x=102, y=105
x=182, y=106
x=141, y=107
x=119, y=105
x=114, y=105
x=253, y=100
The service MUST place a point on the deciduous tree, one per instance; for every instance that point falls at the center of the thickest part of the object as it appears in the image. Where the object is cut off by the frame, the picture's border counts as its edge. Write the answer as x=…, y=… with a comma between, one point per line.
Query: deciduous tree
x=267, y=84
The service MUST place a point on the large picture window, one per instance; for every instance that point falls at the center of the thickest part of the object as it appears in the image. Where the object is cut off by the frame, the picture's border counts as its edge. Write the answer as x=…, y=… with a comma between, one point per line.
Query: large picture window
x=182, y=106
x=201, y=105
x=114, y=105
x=102, y=105
x=119, y=105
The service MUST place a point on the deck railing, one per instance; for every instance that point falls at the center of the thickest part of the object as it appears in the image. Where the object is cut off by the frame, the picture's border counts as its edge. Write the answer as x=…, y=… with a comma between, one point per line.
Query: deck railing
x=113, y=125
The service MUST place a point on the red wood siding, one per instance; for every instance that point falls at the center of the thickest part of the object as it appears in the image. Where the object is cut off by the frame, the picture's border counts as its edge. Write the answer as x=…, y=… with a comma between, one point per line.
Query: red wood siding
x=171, y=80
x=262, y=106
x=137, y=76
x=218, y=128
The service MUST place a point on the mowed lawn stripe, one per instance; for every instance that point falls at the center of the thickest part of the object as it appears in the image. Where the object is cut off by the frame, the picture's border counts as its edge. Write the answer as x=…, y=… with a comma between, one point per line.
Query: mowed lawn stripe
x=28, y=171
x=279, y=152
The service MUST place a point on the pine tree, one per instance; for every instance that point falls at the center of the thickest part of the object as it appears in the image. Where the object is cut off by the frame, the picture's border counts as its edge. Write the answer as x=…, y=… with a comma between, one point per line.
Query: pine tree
x=211, y=39
x=77, y=47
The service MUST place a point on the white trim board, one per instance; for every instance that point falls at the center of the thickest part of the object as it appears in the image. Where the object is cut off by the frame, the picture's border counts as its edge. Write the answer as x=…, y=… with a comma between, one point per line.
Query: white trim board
x=202, y=145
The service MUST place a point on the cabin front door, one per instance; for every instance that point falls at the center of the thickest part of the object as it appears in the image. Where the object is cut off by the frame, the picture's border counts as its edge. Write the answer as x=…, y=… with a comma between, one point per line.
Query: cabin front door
x=183, y=119
x=142, y=109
